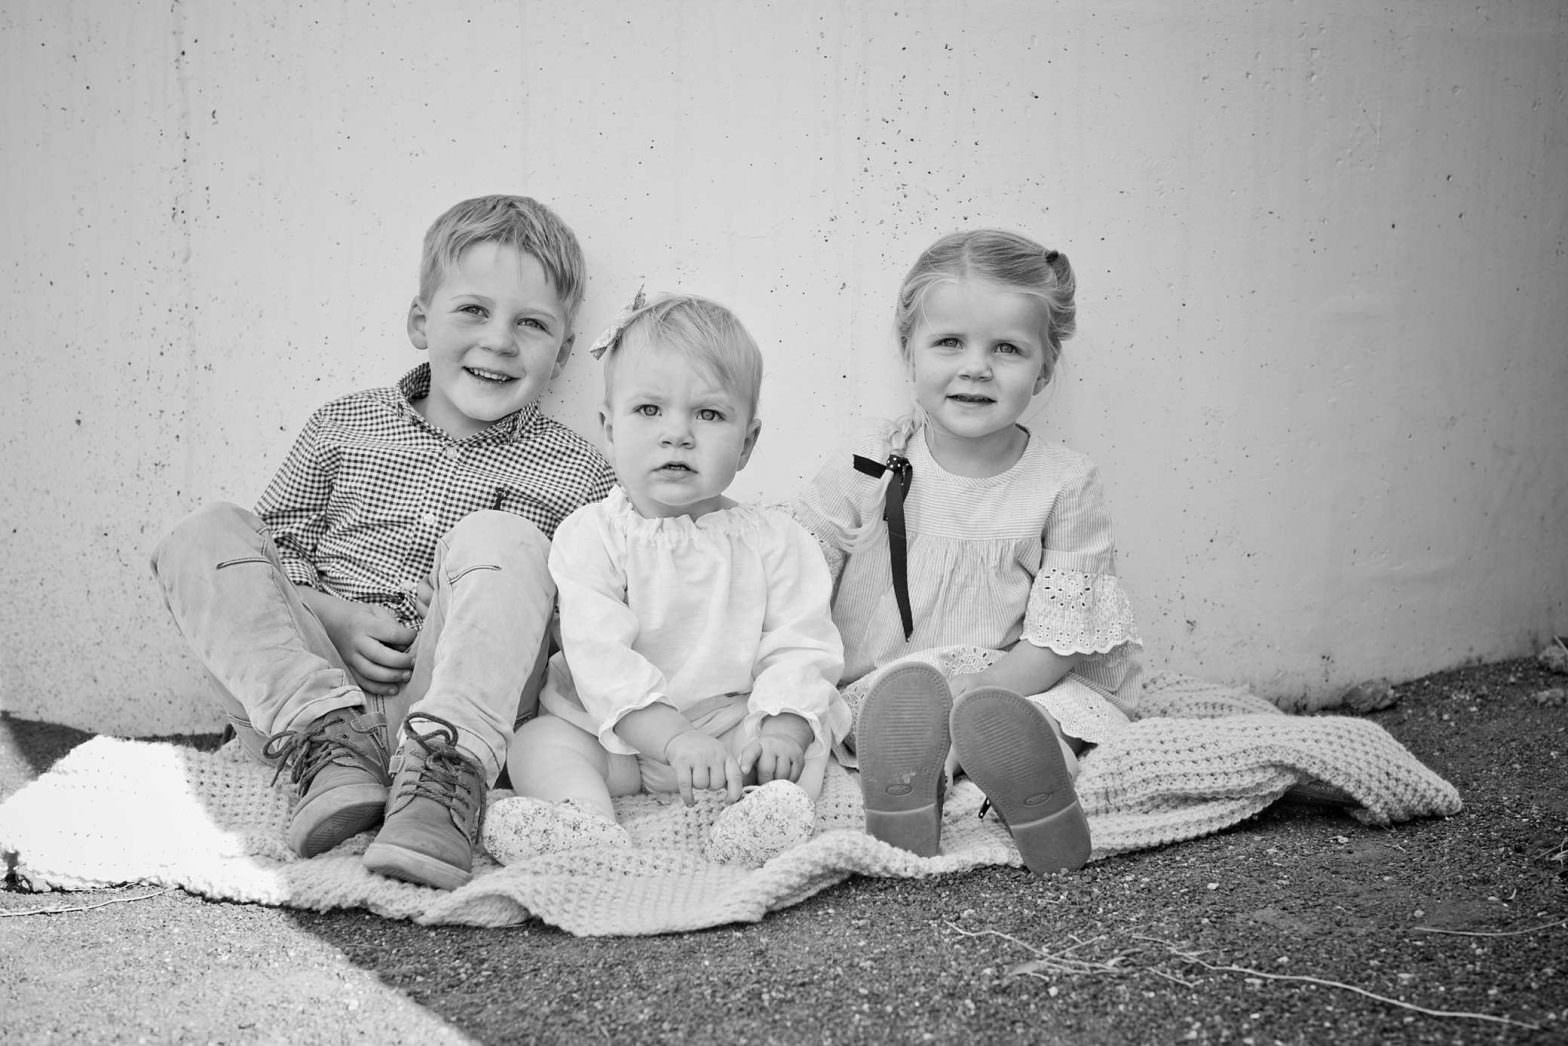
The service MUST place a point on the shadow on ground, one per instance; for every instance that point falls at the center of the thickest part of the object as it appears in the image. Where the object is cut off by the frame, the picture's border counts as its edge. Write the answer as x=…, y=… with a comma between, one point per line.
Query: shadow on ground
x=1301, y=926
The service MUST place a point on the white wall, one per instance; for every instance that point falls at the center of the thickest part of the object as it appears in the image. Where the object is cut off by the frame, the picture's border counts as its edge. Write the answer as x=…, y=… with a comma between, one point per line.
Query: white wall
x=1321, y=251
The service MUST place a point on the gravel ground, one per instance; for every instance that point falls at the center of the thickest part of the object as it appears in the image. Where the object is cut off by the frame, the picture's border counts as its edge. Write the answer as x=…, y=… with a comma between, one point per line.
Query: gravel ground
x=1301, y=926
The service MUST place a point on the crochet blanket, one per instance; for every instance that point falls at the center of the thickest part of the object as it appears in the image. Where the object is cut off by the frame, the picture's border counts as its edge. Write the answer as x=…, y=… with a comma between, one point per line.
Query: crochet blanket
x=1202, y=758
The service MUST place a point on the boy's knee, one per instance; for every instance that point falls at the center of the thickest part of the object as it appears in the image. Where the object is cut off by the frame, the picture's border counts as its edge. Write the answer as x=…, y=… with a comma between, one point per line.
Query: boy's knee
x=497, y=538
x=194, y=531
x=488, y=528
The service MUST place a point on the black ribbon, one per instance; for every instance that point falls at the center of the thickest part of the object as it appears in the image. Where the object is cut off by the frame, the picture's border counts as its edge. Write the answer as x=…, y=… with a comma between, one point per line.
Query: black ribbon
x=898, y=540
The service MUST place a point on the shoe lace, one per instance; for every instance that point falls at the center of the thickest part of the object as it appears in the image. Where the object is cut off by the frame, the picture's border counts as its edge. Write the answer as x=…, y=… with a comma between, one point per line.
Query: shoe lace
x=306, y=752
x=447, y=774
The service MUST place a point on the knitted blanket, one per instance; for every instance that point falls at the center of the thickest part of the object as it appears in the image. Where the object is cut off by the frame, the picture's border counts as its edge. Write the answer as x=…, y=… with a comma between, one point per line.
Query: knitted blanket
x=1202, y=758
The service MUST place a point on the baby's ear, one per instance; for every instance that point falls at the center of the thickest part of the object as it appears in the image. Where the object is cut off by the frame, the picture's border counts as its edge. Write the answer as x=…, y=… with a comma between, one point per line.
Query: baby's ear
x=416, y=325
x=750, y=442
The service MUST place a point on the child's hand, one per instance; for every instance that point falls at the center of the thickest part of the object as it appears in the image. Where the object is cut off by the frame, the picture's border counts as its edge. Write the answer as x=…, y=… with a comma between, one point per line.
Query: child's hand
x=369, y=640
x=776, y=758
x=700, y=761
x=423, y=594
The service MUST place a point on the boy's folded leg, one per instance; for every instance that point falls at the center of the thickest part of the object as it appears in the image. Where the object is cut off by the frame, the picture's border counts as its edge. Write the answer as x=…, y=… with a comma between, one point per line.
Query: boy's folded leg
x=1013, y=752
x=522, y=827
x=435, y=810
x=767, y=821
x=338, y=764
x=482, y=645
x=225, y=585
x=901, y=742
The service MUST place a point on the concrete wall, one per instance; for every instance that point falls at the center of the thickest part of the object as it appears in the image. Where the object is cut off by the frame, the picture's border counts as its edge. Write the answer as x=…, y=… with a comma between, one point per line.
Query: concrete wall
x=1321, y=250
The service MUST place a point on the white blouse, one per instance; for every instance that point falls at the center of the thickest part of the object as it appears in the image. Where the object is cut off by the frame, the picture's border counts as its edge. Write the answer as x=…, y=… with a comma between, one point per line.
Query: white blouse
x=681, y=610
x=1023, y=555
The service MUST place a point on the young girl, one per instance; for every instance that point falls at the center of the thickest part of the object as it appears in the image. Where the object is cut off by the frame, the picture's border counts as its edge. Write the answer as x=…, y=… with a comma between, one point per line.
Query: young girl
x=697, y=645
x=974, y=564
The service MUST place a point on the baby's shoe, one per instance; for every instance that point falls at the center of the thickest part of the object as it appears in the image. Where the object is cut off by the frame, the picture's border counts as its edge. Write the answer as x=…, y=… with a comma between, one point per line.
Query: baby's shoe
x=339, y=768
x=767, y=820
x=1011, y=750
x=901, y=742
x=522, y=827
x=434, y=811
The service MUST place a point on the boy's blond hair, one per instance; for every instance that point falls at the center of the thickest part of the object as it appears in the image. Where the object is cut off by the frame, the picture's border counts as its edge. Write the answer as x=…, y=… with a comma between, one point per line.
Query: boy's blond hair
x=514, y=221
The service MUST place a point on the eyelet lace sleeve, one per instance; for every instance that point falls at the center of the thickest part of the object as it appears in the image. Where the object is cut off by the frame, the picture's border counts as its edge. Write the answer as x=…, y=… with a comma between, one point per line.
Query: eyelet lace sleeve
x=1073, y=612
x=1077, y=604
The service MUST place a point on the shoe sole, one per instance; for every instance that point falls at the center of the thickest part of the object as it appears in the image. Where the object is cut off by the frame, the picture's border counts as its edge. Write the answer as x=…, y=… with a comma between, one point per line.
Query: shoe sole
x=411, y=866
x=901, y=741
x=1008, y=747
x=324, y=821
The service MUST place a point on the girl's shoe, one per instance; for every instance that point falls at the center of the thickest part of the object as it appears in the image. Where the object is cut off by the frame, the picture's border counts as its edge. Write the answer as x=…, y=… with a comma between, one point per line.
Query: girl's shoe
x=1011, y=750
x=765, y=822
x=522, y=827
x=901, y=741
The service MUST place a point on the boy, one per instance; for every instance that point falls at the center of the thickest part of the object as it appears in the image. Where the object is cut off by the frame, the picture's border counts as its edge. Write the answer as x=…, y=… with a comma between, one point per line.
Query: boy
x=310, y=613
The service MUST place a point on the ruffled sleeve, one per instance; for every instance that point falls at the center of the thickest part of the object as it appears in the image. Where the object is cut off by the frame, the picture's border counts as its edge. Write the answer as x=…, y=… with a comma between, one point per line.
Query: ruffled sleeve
x=799, y=655
x=1077, y=604
x=598, y=629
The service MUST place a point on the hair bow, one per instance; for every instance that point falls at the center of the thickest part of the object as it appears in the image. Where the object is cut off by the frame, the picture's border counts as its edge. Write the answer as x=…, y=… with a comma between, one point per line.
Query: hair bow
x=613, y=333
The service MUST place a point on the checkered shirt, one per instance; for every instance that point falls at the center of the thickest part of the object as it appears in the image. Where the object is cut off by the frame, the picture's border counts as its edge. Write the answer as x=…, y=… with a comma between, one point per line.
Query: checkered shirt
x=370, y=485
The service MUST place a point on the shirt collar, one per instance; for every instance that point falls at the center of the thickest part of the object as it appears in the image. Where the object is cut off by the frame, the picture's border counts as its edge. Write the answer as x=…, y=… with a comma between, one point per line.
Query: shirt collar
x=415, y=385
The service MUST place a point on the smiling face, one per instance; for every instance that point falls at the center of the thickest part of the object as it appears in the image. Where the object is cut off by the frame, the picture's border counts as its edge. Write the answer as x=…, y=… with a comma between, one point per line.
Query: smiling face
x=976, y=357
x=496, y=331
x=675, y=434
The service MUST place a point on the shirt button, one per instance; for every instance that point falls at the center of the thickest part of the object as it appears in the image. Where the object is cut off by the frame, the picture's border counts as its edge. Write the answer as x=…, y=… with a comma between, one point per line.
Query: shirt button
x=428, y=519
x=451, y=453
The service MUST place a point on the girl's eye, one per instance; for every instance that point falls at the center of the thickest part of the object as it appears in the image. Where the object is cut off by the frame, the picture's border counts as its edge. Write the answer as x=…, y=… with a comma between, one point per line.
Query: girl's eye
x=709, y=414
x=1009, y=348
x=947, y=343
x=647, y=410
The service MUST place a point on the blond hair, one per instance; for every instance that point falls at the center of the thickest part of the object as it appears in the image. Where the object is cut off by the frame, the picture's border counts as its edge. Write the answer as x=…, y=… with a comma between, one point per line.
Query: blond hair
x=1001, y=257
x=519, y=222
x=700, y=331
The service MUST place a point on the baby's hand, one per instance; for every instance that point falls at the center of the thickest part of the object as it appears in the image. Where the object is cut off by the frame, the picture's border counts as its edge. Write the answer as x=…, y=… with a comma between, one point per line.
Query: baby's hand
x=776, y=758
x=369, y=640
x=700, y=761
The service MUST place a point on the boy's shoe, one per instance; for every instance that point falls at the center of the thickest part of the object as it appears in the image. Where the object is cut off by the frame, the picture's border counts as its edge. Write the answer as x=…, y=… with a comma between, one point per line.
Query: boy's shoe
x=522, y=827
x=901, y=741
x=339, y=768
x=1011, y=750
x=767, y=820
x=435, y=811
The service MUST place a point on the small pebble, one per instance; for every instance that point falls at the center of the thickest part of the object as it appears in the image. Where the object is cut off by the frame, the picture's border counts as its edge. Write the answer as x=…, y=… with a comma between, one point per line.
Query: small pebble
x=1371, y=695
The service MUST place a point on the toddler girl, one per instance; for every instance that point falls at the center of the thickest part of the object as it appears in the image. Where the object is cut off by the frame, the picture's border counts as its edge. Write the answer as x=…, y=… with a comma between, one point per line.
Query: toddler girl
x=697, y=645
x=975, y=564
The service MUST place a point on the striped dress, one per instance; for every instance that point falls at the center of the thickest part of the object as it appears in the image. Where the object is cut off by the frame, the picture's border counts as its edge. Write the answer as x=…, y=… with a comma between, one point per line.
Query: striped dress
x=1024, y=555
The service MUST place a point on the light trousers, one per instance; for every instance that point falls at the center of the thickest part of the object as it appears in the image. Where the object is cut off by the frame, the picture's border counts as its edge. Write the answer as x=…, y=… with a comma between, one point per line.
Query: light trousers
x=478, y=661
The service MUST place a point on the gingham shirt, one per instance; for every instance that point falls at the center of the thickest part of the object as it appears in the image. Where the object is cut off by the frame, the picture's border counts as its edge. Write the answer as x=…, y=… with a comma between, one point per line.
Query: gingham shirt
x=370, y=485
